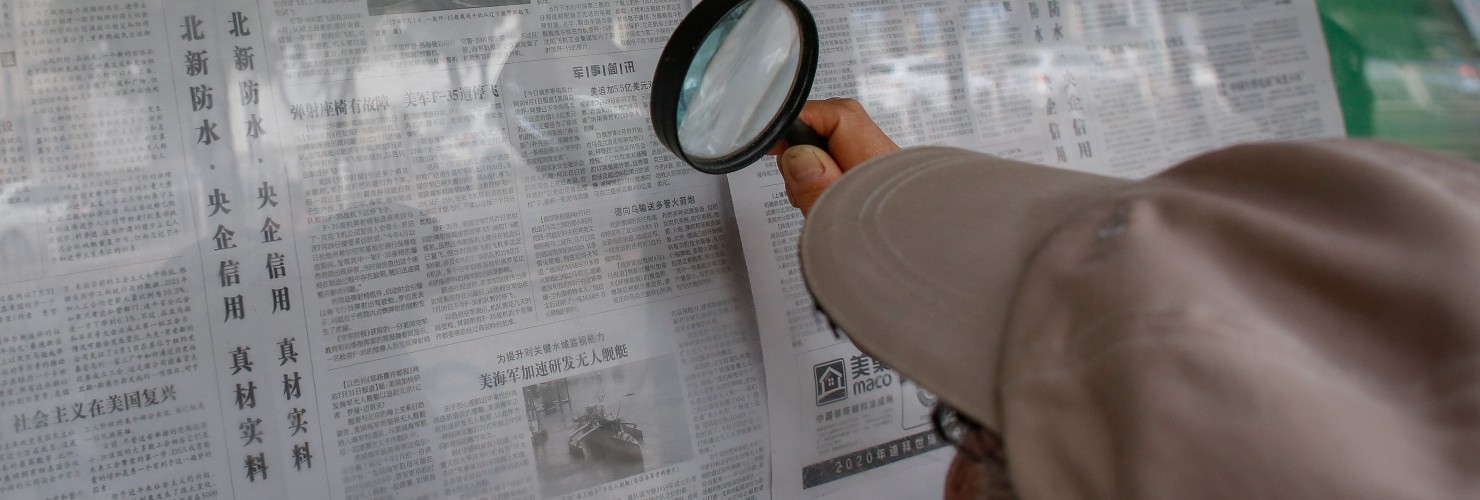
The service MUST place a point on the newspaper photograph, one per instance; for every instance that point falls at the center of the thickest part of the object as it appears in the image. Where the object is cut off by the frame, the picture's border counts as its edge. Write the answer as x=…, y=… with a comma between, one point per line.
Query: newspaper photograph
x=594, y=440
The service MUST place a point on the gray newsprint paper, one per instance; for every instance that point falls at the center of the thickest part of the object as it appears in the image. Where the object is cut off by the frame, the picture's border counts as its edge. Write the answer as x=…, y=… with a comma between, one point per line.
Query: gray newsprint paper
x=432, y=249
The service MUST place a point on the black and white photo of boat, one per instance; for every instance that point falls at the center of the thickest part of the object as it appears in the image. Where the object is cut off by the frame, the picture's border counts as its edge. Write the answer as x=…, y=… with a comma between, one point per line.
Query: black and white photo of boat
x=603, y=426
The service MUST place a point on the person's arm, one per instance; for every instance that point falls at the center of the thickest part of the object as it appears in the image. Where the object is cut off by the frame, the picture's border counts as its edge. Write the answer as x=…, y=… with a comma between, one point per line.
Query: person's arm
x=852, y=138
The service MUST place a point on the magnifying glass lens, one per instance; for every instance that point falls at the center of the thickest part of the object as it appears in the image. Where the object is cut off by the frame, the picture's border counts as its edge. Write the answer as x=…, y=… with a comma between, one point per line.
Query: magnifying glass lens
x=739, y=79
x=732, y=80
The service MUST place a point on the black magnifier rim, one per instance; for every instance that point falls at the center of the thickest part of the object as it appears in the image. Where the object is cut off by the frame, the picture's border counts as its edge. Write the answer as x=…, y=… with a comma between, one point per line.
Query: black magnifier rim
x=673, y=66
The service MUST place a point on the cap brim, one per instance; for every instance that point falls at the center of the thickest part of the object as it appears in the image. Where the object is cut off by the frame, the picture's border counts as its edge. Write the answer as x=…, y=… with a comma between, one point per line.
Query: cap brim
x=916, y=256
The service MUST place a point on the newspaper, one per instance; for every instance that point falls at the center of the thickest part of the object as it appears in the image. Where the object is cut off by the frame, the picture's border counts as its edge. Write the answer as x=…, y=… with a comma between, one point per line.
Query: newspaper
x=318, y=249
x=1124, y=88
x=431, y=248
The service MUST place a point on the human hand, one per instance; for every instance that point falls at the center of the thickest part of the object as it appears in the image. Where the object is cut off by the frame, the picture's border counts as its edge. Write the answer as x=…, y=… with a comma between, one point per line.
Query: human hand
x=852, y=138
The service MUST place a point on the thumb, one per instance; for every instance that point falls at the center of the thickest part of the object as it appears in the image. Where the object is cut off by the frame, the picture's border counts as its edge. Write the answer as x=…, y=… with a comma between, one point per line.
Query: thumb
x=808, y=171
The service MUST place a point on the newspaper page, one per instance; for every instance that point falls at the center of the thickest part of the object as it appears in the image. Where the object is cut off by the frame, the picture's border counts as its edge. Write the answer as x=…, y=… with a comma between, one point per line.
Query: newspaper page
x=1118, y=87
x=362, y=249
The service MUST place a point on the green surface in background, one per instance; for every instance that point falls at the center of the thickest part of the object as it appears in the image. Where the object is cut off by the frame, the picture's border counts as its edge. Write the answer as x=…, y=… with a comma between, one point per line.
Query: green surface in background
x=1406, y=70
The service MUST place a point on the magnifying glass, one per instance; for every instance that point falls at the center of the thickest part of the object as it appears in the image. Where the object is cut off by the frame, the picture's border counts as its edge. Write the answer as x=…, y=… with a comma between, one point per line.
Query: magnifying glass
x=732, y=80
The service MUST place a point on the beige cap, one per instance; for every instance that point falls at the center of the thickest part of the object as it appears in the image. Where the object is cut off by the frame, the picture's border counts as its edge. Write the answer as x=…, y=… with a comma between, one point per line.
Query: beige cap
x=916, y=256
x=1259, y=314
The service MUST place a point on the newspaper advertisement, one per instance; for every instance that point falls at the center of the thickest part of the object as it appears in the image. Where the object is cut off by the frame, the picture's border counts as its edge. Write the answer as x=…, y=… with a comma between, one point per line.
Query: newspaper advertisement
x=1124, y=88
x=363, y=249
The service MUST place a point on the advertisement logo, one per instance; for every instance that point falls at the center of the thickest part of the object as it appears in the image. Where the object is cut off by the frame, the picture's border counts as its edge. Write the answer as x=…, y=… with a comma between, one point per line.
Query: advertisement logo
x=832, y=381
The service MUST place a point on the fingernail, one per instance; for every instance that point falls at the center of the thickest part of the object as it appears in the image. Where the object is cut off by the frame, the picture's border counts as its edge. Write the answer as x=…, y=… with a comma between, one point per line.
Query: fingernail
x=803, y=163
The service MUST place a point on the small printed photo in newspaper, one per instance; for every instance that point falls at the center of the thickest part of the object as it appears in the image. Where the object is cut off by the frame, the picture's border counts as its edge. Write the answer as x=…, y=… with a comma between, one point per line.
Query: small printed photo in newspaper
x=603, y=426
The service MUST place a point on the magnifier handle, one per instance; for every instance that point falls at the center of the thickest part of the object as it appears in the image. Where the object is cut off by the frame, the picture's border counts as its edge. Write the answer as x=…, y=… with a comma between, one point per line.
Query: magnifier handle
x=800, y=133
